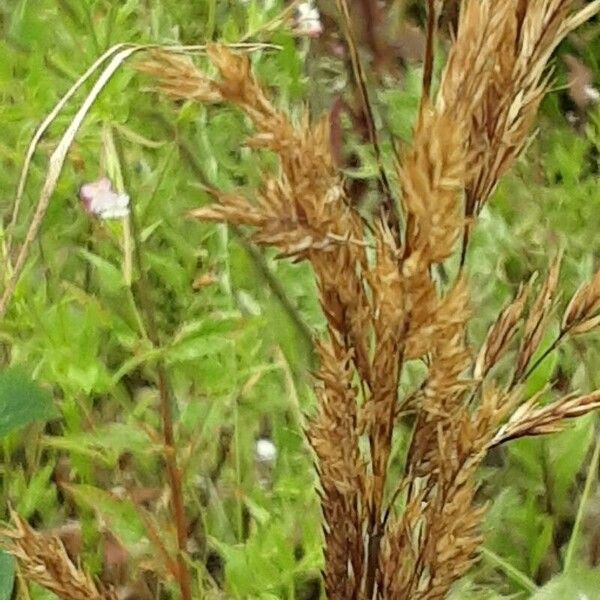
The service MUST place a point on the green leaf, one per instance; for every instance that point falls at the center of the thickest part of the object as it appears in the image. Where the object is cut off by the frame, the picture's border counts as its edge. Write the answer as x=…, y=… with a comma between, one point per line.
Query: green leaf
x=22, y=401
x=7, y=575
x=119, y=513
x=110, y=277
x=39, y=494
x=541, y=543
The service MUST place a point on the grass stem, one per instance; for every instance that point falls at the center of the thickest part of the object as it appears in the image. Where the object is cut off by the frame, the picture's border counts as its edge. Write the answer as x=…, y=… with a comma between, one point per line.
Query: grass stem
x=587, y=490
x=511, y=571
x=166, y=412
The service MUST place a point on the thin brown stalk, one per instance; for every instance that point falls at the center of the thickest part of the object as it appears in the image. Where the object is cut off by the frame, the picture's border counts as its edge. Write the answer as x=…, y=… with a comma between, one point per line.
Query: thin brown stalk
x=167, y=561
x=166, y=410
x=360, y=78
x=429, y=48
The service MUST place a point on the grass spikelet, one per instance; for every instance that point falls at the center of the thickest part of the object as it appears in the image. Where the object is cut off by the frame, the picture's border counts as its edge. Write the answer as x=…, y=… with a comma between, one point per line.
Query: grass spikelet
x=531, y=420
x=333, y=436
x=580, y=315
x=537, y=320
x=499, y=77
x=501, y=333
x=179, y=78
x=44, y=560
x=433, y=172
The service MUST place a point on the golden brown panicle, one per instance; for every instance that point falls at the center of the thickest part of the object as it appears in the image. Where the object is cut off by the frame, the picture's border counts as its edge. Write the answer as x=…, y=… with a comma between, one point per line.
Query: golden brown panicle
x=409, y=535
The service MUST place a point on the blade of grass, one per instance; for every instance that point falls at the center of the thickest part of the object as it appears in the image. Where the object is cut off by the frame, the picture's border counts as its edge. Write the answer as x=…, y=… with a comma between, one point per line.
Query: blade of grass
x=54, y=170
x=511, y=571
x=587, y=490
x=37, y=136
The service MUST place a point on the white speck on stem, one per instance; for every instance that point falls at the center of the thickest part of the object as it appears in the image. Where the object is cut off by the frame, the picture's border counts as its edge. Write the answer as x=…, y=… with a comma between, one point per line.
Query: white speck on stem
x=592, y=94
x=266, y=451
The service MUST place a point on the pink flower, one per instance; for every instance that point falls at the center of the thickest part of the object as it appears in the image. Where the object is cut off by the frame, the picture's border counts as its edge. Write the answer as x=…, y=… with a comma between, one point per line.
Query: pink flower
x=102, y=201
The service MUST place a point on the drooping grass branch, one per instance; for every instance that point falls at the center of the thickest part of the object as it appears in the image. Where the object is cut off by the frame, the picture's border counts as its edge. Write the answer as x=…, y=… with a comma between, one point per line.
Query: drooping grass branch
x=189, y=157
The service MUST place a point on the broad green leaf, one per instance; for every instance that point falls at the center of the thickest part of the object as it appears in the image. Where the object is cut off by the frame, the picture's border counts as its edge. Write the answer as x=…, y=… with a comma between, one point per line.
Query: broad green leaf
x=7, y=575
x=22, y=401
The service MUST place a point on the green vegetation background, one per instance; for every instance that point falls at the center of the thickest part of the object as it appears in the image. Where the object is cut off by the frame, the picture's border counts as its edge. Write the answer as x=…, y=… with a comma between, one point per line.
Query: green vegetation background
x=239, y=357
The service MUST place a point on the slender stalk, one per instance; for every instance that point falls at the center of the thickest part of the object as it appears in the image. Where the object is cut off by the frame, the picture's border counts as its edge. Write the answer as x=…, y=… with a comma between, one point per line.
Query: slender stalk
x=542, y=357
x=210, y=21
x=358, y=71
x=428, y=63
x=587, y=490
x=154, y=536
x=166, y=415
x=512, y=572
x=239, y=513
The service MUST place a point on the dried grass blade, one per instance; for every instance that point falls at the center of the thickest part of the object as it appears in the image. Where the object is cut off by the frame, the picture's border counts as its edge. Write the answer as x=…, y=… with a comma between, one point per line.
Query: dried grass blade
x=54, y=169
x=58, y=156
x=37, y=136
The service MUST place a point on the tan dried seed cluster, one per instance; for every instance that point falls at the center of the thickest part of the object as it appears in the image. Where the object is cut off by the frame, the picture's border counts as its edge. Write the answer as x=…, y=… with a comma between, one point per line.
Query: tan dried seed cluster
x=385, y=310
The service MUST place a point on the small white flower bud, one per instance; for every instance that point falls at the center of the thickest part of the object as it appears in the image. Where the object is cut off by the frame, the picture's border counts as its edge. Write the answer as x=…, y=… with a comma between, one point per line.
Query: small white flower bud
x=266, y=452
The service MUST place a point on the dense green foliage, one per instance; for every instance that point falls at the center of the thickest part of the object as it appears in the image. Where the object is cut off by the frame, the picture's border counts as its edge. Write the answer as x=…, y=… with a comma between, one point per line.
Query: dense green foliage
x=236, y=347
